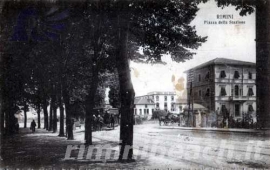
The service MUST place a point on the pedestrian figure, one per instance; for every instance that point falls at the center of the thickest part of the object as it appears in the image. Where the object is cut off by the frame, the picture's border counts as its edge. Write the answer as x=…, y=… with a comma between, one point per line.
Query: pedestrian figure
x=112, y=121
x=33, y=126
x=17, y=127
x=106, y=118
x=94, y=122
x=100, y=122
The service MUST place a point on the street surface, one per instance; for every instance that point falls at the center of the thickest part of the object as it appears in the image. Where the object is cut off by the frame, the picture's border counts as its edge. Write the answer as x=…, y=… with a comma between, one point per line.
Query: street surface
x=154, y=147
x=204, y=148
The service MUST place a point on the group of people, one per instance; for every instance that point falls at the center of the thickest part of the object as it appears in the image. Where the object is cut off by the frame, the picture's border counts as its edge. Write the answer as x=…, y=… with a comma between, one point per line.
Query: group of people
x=107, y=120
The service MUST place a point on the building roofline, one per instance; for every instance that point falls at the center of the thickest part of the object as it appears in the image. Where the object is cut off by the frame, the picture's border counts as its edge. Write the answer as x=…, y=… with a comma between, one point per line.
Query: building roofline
x=222, y=61
x=143, y=95
x=158, y=92
x=145, y=104
x=161, y=92
x=140, y=101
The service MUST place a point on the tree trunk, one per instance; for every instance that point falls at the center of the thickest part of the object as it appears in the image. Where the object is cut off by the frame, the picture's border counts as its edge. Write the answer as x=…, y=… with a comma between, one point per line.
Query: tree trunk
x=45, y=115
x=127, y=95
x=90, y=104
x=2, y=118
x=90, y=100
x=53, y=122
x=61, y=108
x=11, y=120
x=51, y=114
x=38, y=114
x=61, y=130
x=6, y=104
x=25, y=114
x=7, y=127
x=55, y=119
x=263, y=62
x=60, y=100
x=69, y=121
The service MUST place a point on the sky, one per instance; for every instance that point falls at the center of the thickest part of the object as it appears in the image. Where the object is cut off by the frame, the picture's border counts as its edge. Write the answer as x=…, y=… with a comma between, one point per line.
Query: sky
x=224, y=41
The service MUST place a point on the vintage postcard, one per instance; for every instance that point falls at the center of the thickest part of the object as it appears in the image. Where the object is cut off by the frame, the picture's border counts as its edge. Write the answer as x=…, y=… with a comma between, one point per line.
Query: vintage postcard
x=134, y=84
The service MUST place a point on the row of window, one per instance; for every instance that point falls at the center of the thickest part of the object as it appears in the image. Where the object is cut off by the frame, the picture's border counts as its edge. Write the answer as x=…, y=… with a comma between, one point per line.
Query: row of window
x=235, y=76
x=237, y=110
x=236, y=91
x=141, y=111
x=166, y=105
x=223, y=75
x=145, y=106
x=146, y=111
x=207, y=76
x=207, y=93
x=173, y=108
x=165, y=98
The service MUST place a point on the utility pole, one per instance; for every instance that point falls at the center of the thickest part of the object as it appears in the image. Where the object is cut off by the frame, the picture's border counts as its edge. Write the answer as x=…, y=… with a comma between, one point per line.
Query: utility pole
x=189, y=100
x=192, y=108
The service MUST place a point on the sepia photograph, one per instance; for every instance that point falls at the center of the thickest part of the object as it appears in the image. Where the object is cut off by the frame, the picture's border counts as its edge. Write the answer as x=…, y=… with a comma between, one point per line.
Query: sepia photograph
x=134, y=84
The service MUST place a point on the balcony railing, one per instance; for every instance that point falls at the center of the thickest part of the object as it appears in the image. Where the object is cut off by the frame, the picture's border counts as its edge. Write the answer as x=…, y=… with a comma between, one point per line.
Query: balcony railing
x=231, y=80
x=235, y=98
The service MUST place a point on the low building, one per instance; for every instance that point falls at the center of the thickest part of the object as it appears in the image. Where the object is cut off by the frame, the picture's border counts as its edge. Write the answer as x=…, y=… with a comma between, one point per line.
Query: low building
x=144, y=106
x=168, y=101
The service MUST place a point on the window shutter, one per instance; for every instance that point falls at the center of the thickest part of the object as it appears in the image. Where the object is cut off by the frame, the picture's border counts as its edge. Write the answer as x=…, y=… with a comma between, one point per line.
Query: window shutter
x=250, y=108
x=236, y=75
x=249, y=75
x=207, y=76
x=223, y=91
x=222, y=74
x=250, y=92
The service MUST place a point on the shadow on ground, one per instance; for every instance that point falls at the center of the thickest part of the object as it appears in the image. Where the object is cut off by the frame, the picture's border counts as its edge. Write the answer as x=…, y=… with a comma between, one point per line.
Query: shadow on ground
x=44, y=149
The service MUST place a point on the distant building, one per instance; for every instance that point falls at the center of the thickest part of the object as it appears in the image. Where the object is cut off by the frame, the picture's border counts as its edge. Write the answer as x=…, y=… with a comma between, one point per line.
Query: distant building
x=169, y=101
x=143, y=106
x=225, y=86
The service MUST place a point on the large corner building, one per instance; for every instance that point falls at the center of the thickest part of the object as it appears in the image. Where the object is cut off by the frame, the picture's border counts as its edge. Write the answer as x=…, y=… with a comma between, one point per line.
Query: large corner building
x=224, y=85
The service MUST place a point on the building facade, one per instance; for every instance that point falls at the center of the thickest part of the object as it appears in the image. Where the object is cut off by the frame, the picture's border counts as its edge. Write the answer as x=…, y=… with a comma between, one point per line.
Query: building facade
x=224, y=86
x=147, y=104
x=144, y=106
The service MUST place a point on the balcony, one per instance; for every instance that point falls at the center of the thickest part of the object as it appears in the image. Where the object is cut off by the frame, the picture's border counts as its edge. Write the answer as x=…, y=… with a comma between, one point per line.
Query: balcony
x=235, y=98
x=227, y=80
x=240, y=98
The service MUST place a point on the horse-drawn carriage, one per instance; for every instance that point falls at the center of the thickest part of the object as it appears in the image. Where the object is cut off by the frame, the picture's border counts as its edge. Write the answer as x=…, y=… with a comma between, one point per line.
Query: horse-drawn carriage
x=166, y=117
x=105, y=117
